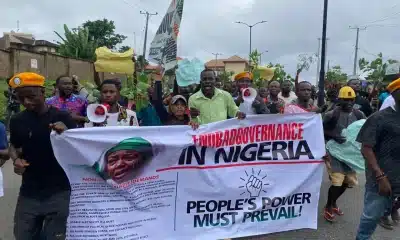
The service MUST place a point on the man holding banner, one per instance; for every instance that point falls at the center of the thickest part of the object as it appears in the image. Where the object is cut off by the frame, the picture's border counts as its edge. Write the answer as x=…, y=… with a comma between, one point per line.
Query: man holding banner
x=211, y=104
x=237, y=167
x=43, y=202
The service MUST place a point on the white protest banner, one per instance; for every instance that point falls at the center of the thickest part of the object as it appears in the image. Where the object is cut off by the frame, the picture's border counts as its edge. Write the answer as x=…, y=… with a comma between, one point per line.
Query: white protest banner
x=227, y=179
x=164, y=46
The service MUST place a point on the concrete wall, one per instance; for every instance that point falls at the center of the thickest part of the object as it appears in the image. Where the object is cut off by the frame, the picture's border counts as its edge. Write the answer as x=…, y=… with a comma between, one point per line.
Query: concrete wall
x=47, y=64
x=4, y=63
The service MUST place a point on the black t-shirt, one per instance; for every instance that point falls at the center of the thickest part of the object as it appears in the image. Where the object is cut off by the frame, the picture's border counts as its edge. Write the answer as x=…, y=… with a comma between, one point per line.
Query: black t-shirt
x=382, y=132
x=30, y=132
x=363, y=105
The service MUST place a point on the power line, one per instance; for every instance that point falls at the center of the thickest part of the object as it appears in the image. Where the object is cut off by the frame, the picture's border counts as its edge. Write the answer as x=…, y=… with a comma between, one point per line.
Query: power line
x=132, y=5
x=383, y=19
x=383, y=25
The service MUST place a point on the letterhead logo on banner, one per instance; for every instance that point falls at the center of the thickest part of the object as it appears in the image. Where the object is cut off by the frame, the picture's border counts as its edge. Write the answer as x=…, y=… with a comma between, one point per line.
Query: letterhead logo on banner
x=163, y=48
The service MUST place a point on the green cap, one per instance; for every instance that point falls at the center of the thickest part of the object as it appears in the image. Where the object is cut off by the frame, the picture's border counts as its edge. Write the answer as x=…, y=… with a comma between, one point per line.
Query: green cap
x=138, y=144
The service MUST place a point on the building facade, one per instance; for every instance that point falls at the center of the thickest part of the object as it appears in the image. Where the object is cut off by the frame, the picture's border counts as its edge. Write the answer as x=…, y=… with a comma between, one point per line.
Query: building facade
x=233, y=64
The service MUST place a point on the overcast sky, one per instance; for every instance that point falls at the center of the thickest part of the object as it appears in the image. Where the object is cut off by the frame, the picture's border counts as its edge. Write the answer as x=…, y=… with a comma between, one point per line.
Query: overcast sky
x=208, y=26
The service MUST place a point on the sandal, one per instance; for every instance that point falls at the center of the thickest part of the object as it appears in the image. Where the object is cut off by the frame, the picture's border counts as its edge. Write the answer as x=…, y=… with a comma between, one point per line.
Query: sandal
x=337, y=211
x=329, y=216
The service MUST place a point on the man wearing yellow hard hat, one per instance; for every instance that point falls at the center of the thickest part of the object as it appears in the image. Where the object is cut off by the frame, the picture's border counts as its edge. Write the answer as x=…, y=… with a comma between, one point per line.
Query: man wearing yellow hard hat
x=43, y=201
x=340, y=174
x=380, y=139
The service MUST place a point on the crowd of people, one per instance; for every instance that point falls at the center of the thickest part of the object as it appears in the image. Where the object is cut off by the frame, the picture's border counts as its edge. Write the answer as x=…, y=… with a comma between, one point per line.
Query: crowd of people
x=43, y=202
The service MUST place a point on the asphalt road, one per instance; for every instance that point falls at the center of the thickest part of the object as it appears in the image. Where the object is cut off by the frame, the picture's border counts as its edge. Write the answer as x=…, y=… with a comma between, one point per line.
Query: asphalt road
x=344, y=229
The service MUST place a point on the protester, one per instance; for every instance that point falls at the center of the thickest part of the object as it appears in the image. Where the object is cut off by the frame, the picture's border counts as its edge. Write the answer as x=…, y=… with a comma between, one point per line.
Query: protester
x=80, y=90
x=340, y=174
x=314, y=96
x=177, y=110
x=148, y=116
x=256, y=106
x=13, y=106
x=303, y=102
x=55, y=90
x=228, y=87
x=219, y=84
x=332, y=98
x=389, y=101
x=4, y=156
x=211, y=104
x=274, y=103
x=380, y=141
x=263, y=93
x=185, y=92
x=361, y=102
x=382, y=96
x=392, y=74
x=43, y=202
x=116, y=115
x=122, y=100
x=286, y=93
x=69, y=102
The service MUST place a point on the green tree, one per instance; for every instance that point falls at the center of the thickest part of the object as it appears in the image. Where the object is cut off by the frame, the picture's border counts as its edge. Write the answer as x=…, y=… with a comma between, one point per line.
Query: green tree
x=375, y=69
x=139, y=62
x=226, y=76
x=280, y=73
x=255, y=59
x=124, y=49
x=335, y=75
x=76, y=43
x=103, y=31
x=304, y=62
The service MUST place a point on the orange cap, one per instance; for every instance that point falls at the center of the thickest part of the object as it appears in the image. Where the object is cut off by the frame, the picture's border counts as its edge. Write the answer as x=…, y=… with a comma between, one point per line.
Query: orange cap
x=248, y=75
x=27, y=79
x=393, y=86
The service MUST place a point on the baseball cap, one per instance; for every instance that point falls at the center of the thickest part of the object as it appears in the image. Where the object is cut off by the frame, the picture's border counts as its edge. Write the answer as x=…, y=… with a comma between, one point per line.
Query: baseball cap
x=178, y=97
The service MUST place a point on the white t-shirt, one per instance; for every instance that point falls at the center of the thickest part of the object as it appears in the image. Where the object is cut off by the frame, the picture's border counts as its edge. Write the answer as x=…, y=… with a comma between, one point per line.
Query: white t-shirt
x=290, y=99
x=389, y=102
x=112, y=119
x=246, y=107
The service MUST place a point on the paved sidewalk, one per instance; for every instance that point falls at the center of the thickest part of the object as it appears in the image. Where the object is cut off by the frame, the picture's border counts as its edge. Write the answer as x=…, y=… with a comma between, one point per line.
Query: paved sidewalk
x=344, y=229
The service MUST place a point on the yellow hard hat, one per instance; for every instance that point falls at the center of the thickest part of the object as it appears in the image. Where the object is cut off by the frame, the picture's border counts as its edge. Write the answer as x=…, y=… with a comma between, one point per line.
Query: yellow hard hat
x=347, y=93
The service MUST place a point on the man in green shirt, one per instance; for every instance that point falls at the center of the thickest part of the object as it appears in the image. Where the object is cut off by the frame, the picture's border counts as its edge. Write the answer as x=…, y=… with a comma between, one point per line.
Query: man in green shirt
x=211, y=104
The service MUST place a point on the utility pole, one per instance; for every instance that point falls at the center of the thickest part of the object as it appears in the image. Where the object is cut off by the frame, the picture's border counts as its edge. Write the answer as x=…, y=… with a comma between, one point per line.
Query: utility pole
x=250, y=28
x=356, y=48
x=321, y=82
x=17, y=25
x=148, y=15
x=261, y=55
x=319, y=55
x=216, y=60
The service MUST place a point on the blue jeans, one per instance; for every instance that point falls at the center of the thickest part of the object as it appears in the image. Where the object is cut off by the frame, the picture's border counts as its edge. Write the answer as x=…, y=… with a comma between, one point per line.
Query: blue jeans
x=374, y=208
